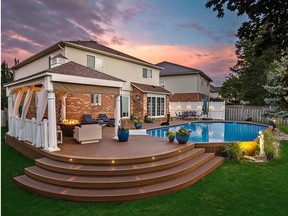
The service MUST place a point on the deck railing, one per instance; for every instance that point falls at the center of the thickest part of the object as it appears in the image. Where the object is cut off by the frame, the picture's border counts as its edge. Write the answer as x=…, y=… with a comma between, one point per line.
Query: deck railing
x=30, y=131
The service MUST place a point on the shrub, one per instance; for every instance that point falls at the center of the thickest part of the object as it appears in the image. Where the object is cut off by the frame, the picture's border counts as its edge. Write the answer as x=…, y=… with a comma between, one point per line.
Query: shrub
x=271, y=146
x=233, y=151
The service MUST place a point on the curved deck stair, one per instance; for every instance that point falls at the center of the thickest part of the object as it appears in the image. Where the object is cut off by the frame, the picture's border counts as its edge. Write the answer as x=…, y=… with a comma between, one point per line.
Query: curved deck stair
x=118, y=182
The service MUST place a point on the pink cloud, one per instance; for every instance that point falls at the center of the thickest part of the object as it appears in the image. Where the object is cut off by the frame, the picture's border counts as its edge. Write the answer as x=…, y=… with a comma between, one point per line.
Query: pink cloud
x=17, y=53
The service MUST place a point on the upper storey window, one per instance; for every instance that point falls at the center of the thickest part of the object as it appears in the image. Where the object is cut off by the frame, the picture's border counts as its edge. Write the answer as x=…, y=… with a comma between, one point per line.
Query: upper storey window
x=147, y=73
x=94, y=62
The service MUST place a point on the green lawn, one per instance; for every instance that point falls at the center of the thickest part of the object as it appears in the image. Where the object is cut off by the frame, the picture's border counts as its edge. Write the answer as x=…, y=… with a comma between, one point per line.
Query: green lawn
x=236, y=188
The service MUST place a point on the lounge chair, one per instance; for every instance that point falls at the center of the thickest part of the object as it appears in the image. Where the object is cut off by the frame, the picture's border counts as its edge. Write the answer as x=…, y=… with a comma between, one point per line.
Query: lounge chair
x=89, y=120
x=106, y=120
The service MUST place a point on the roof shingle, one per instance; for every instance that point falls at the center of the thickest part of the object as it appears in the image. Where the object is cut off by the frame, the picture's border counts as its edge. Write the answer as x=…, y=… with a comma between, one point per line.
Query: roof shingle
x=150, y=88
x=75, y=69
x=172, y=69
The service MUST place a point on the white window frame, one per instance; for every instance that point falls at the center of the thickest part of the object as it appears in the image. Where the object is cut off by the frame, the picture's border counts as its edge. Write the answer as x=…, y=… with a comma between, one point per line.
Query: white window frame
x=147, y=73
x=96, y=99
x=124, y=117
x=98, y=62
x=156, y=96
x=162, y=83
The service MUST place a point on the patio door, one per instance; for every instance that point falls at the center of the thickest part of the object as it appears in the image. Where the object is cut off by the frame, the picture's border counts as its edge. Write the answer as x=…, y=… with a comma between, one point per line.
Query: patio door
x=125, y=106
x=156, y=105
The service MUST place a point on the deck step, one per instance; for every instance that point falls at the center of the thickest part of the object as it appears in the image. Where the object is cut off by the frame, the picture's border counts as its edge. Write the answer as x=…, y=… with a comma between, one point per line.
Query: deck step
x=118, y=169
x=118, y=194
x=117, y=181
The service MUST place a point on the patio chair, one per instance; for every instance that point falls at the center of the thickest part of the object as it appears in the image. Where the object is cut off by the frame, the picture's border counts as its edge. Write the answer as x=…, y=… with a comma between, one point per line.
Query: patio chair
x=106, y=120
x=90, y=133
x=89, y=120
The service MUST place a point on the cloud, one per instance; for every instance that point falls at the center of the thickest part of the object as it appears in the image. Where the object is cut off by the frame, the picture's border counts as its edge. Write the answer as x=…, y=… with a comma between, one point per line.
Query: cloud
x=204, y=31
x=35, y=24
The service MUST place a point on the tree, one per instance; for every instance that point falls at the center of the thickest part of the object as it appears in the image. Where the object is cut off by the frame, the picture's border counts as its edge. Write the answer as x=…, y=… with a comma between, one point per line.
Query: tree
x=250, y=70
x=6, y=77
x=231, y=88
x=270, y=15
x=277, y=86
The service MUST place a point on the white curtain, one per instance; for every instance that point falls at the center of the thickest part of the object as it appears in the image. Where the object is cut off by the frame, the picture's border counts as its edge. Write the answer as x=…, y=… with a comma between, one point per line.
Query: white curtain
x=25, y=108
x=15, y=111
x=41, y=108
x=63, y=105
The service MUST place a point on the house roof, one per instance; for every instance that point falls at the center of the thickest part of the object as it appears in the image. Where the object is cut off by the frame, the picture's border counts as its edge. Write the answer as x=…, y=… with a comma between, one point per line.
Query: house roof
x=150, y=88
x=93, y=46
x=74, y=69
x=172, y=69
x=214, y=88
x=96, y=46
x=59, y=55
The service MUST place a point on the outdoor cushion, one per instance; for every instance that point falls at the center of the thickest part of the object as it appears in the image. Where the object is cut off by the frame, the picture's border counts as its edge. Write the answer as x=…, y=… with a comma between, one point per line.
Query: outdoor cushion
x=105, y=118
x=89, y=120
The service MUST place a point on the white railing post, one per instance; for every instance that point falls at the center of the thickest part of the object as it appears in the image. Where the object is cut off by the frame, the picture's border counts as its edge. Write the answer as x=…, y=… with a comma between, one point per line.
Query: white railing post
x=34, y=131
x=45, y=134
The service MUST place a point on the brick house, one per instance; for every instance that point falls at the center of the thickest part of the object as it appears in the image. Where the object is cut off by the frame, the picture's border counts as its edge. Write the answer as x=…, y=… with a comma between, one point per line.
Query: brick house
x=80, y=77
x=185, y=83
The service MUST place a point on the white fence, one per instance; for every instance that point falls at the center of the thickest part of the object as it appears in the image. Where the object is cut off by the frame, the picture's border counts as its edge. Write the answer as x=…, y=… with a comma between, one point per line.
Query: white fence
x=241, y=112
x=216, y=109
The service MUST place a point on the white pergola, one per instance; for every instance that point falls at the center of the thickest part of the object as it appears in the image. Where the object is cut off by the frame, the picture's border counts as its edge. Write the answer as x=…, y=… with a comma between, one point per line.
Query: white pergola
x=43, y=132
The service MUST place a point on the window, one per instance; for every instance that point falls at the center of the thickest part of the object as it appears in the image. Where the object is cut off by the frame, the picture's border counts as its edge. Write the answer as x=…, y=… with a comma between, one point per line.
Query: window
x=95, y=63
x=125, y=106
x=90, y=61
x=162, y=83
x=156, y=105
x=202, y=81
x=147, y=73
x=96, y=99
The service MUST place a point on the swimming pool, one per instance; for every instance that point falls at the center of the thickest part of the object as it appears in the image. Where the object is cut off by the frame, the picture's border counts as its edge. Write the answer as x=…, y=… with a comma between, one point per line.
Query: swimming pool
x=214, y=132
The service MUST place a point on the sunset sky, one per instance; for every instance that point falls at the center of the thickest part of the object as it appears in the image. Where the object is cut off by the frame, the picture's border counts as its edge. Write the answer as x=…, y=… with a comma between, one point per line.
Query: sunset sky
x=179, y=31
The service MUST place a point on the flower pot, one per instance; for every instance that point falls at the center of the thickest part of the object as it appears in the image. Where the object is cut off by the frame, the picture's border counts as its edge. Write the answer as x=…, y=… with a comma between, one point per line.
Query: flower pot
x=138, y=125
x=182, y=139
x=123, y=135
x=171, y=138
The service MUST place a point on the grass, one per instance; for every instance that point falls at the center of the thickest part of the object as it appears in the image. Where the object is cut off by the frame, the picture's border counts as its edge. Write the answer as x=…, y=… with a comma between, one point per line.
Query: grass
x=235, y=188
x=283, y=128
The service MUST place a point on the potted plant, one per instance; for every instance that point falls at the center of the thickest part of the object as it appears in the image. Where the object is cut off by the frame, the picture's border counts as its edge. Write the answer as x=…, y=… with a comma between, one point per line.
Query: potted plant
x=171, y=136
x=182, y=135
x=149, y=119
x=123, y=133
x=138, y=123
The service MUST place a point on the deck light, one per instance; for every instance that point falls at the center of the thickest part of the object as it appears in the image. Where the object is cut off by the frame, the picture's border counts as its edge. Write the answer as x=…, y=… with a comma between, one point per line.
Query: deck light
x=179, y=151
x=153, y=158
x=70, y=160
x=113, y=162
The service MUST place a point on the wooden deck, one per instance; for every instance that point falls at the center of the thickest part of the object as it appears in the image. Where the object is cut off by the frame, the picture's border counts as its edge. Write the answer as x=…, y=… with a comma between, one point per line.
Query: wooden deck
x=112, y=171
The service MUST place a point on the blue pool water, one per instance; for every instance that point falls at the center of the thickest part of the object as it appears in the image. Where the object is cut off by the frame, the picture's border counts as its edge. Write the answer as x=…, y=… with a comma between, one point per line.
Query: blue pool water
x=214, y=131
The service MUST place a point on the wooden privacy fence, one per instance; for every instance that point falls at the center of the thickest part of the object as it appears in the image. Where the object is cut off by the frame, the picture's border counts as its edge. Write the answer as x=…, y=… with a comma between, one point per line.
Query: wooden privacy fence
x=241, y=112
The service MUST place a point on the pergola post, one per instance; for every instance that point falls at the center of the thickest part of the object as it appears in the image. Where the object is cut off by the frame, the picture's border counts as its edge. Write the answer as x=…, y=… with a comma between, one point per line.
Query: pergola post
x=52, y=130
x=52, y=143
x=117, y=115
